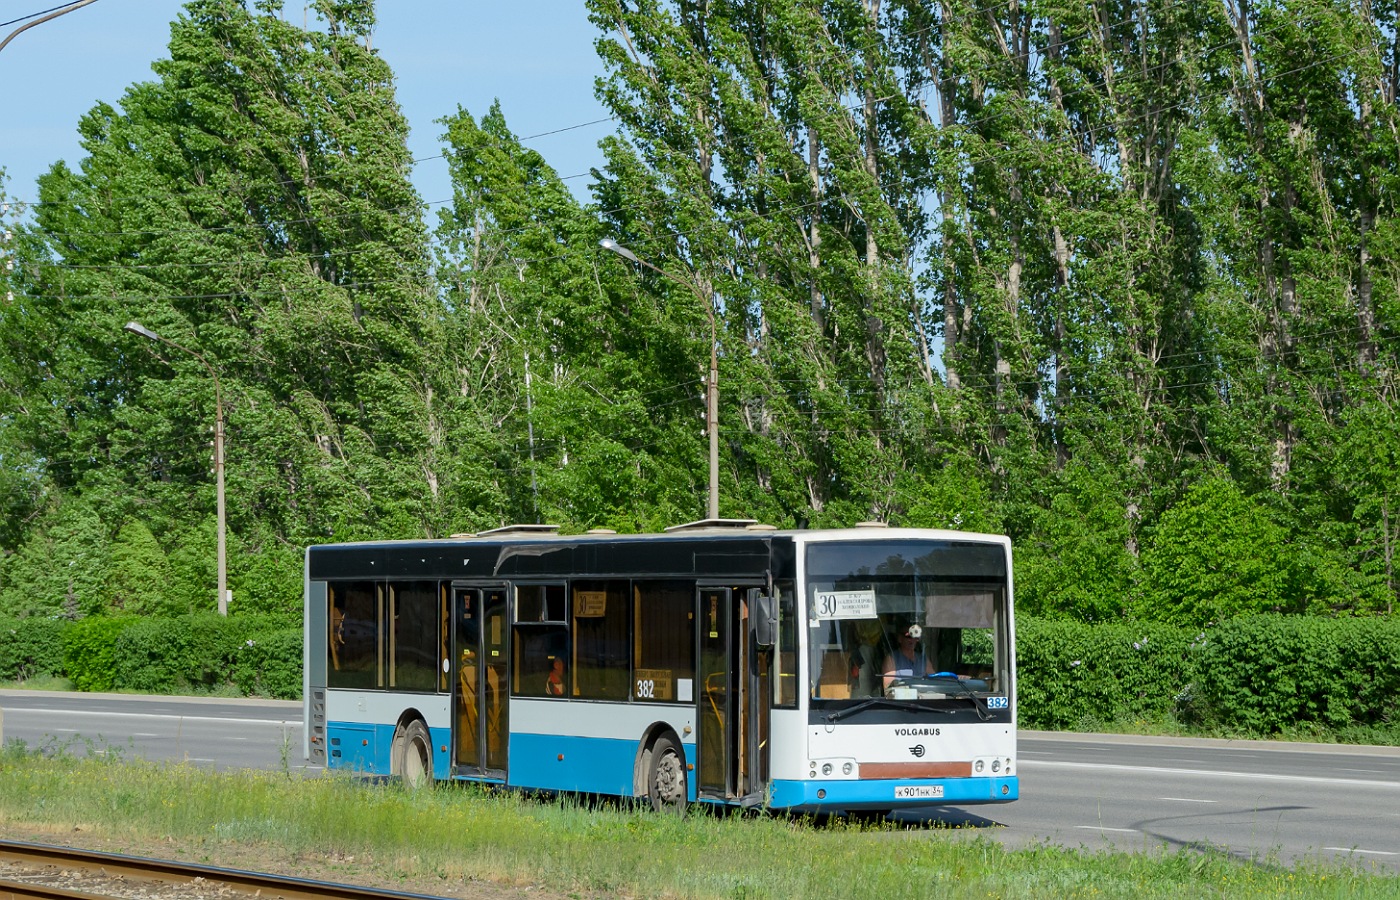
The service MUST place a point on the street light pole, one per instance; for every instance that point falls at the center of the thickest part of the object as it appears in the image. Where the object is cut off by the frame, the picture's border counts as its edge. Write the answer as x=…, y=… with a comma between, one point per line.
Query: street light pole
x=711, y=385
x=39, y=21
x=143, y=331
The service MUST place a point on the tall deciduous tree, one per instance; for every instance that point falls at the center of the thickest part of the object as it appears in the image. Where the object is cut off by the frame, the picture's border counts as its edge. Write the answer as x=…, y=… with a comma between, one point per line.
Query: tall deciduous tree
x=252, y=205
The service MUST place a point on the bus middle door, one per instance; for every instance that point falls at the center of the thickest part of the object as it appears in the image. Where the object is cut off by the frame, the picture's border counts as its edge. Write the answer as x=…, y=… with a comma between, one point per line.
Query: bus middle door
x=480, y=687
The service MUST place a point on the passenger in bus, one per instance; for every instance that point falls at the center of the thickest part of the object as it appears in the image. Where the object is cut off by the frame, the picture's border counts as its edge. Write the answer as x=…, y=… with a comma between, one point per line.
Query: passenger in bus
x=554, y=686
x=907, y=660
x=866, y=659
x=337, y=635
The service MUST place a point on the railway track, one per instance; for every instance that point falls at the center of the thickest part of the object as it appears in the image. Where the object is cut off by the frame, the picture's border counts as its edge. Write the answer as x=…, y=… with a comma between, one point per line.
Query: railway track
x=45, y=872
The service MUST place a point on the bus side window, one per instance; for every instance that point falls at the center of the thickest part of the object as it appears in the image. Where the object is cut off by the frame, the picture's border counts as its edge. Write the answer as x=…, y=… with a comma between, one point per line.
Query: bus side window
x=354, y=634
x=663, y=642
x=541, y=637
x=599, y=618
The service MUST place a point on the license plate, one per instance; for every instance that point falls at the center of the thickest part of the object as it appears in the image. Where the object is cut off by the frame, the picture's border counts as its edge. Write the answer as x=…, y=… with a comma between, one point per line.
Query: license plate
x=918, y=791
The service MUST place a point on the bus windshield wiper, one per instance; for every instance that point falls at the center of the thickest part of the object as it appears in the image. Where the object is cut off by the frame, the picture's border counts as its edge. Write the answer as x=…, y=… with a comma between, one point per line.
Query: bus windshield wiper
x=977, y=702
x=884, y=703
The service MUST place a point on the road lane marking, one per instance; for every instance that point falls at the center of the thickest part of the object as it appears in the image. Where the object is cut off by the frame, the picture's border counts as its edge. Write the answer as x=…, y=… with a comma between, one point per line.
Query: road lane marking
x=1163, y=770
x=1187, y=800
x=1359, y=850
x=1104, y=828
x=92, y=712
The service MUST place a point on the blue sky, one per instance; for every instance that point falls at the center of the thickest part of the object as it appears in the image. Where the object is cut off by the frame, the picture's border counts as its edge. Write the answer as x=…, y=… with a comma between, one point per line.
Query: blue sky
x=536, y=56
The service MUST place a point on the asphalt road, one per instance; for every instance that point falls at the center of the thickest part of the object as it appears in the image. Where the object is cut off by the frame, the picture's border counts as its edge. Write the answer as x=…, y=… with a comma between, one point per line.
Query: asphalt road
x=1258, y=800
x=233, y=734
x=1262, y=800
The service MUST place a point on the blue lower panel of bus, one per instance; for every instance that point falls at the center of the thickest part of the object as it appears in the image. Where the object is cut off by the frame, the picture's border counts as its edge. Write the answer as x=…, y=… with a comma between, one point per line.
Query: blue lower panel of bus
x=588, y=765
x=366, y=748
x=881, y=794
x=360, y=748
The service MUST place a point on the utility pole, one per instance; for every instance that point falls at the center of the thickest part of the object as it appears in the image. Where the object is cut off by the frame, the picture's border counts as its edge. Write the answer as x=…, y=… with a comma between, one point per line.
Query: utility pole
x=711, y=384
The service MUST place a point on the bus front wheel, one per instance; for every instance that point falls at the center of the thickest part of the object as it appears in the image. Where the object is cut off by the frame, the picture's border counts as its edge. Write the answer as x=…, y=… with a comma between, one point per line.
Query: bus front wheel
x=666, y=778
x=413, y=755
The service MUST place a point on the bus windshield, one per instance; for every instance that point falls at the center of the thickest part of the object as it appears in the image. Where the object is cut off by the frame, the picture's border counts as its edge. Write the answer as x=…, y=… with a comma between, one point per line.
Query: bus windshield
x=915, y=620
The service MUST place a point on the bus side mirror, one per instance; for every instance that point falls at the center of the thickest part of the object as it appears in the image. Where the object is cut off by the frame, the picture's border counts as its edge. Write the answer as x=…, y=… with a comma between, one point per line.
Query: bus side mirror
x=763, y=616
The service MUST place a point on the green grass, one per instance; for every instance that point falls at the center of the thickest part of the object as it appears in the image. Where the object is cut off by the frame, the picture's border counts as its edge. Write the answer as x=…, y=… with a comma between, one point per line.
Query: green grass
x=40, y=683
x=453, y=834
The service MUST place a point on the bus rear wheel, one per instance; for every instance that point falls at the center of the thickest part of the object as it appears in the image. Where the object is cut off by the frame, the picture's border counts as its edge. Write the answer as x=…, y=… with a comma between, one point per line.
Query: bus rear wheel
x=413, y=755
x=666, y=777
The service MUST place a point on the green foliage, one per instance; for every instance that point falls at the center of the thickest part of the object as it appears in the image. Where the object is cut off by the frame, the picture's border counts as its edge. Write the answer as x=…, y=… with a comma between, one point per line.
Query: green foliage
x=90, y=651
x=1125, y=290
x=61, y=568
x=1075, y=676
x=1216, y=555
x=138, y=574
x=1077, y=562
x=1268, y=674
x=1256, y=675
x=194, y=653
x=269, y=664
x=31, y=648
x=173, y=655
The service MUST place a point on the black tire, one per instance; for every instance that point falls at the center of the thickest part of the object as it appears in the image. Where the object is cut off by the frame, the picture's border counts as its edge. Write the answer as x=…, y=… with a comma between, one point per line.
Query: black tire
x=666, y=778
x=413, y=755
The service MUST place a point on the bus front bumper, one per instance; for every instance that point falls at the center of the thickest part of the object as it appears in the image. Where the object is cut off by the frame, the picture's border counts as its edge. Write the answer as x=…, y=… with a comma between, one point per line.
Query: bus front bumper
x=892, y=793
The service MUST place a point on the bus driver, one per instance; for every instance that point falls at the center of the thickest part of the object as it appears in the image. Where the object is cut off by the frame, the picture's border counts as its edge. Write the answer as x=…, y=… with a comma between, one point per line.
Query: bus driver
x=907, y=660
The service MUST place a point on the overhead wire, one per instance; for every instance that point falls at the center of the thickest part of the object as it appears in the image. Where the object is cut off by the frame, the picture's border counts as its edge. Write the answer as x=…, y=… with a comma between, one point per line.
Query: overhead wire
x=42, y=12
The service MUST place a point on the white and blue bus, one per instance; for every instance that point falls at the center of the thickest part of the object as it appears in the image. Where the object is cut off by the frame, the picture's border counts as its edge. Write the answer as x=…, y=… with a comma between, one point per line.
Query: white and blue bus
x=861, y=669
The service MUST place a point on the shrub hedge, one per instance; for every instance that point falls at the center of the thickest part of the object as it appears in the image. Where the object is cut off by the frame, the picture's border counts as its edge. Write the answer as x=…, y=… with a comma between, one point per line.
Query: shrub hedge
x=258, y=655
x=1257, y=675
x=30, y=648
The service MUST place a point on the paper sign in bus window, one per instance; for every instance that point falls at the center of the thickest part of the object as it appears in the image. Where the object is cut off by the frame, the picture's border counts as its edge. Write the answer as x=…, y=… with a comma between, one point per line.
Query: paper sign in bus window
x=844, y=604
x=653, y=684
x=590, y=604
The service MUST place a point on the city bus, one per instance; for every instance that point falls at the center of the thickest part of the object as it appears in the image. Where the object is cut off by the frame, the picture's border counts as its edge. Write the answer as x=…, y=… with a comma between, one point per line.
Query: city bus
x=857, y=670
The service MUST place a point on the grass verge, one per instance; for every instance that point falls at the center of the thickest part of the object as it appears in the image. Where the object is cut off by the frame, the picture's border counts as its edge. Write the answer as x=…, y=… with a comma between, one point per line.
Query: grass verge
x=439, y=839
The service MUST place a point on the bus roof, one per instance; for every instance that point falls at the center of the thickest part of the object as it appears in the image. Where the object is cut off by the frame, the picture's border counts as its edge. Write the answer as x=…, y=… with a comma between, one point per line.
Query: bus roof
x=714, y=551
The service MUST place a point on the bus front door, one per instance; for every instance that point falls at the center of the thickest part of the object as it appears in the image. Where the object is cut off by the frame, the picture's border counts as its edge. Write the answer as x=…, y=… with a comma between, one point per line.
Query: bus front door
x=732, y=708
x=480, y=710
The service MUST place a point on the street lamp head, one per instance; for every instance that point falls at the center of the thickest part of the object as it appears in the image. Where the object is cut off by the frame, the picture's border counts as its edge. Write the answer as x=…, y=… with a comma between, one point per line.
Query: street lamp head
x=613, y=246
x=138, y=328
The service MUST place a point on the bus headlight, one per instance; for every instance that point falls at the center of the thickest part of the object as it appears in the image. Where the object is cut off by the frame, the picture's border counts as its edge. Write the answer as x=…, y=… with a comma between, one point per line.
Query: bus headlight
x=834, y=768
x=992, y=765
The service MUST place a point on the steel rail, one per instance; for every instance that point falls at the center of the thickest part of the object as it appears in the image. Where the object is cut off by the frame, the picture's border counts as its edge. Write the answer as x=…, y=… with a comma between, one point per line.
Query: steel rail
x=155, y=872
